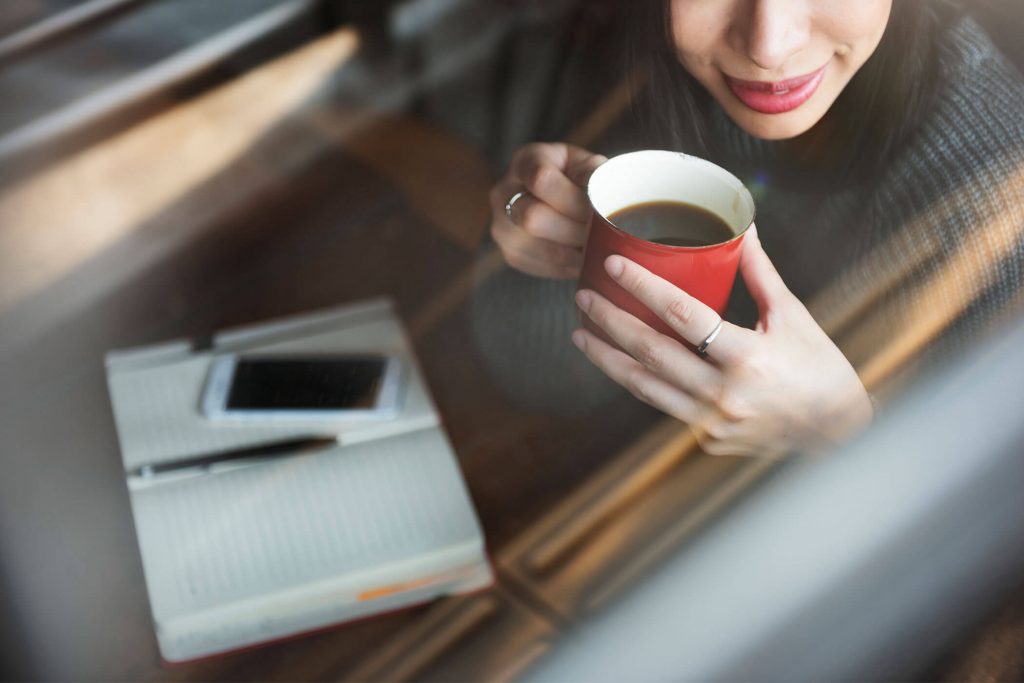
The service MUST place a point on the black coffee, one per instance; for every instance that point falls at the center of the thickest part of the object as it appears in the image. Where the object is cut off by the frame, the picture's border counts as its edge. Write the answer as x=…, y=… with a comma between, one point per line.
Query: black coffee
x=676, y=224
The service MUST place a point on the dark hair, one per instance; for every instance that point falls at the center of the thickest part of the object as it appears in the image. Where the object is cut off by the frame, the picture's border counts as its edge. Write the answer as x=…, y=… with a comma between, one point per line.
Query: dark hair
x=874, y=116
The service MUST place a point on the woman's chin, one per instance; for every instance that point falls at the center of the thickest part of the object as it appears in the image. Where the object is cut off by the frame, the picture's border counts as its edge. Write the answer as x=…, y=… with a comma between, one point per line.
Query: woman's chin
x=773, y=126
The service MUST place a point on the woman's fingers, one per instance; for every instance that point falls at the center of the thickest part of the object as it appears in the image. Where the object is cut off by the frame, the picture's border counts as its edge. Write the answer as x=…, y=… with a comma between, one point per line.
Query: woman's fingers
x=582, y=165
x=782, y=387
x=542, y=170
x=661, y=355
x=759, y=274
x=524, y=251
x=542, y=221
x=715, y=435
x=533, y=256
x=690, y=318
x=544, y=230
x=635, y=378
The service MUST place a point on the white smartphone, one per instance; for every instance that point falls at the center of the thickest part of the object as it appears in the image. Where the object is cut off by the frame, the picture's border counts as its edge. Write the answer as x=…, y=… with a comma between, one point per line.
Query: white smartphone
x=303, y=387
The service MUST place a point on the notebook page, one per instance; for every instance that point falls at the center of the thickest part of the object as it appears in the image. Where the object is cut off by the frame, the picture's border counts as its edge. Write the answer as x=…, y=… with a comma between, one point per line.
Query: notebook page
x=223, y=538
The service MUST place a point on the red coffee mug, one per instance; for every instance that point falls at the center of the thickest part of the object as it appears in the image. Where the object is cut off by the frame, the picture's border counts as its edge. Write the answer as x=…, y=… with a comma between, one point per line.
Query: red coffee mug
x=707, y=272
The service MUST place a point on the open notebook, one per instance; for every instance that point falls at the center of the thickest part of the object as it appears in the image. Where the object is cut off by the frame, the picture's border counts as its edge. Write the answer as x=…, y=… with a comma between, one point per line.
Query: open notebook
x=263, y=551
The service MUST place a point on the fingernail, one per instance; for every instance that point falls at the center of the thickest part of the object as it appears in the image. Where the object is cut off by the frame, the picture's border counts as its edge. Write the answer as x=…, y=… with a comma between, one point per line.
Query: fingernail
x=584, y=299
x=614, y=265
x=580, y=340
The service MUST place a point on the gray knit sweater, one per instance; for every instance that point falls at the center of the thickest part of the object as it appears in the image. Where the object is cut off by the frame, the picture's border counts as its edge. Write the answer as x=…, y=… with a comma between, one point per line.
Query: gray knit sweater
x=901, y=271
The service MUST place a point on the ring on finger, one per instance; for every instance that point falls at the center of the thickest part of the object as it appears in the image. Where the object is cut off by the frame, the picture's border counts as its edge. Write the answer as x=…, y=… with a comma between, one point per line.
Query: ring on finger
x=512, y=202
x=702, y=350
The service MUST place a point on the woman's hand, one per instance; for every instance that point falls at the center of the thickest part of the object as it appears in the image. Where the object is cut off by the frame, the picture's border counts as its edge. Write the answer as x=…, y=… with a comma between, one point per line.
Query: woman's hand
x=547, y=229
x=766, y=391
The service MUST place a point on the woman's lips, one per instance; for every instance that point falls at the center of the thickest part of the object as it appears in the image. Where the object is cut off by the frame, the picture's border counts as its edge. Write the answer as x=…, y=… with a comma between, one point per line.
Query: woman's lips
x=778, y=97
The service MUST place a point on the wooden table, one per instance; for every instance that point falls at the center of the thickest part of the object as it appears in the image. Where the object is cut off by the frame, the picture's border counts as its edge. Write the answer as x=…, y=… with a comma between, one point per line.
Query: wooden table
x=257, y=201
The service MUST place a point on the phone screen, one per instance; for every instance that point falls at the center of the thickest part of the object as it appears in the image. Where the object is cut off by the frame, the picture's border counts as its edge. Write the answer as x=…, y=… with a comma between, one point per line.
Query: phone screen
x=305, y=383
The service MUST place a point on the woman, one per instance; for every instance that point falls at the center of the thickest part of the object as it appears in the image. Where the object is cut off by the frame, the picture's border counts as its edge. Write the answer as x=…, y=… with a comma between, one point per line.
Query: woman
x=866, y=130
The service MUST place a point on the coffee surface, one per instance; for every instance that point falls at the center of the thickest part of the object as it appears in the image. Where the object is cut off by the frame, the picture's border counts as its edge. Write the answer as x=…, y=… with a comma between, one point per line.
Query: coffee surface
x=674, y=224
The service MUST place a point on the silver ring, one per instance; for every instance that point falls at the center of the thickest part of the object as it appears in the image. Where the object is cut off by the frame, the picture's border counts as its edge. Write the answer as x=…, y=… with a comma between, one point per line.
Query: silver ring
x=512, y=202
x=702, y=350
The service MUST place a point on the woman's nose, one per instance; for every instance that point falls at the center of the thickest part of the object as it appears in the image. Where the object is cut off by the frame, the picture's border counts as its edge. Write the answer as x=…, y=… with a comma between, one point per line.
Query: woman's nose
x=773, y=30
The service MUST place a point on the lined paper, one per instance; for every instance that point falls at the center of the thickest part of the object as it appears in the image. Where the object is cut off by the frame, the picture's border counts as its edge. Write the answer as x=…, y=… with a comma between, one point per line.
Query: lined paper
x=237, y=535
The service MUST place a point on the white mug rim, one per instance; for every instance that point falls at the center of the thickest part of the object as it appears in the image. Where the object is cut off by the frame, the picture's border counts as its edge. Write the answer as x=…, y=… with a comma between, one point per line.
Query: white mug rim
x=707, y=166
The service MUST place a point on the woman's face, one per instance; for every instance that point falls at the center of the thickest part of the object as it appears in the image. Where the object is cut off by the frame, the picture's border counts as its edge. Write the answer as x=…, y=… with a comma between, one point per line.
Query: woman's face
x=776, y=66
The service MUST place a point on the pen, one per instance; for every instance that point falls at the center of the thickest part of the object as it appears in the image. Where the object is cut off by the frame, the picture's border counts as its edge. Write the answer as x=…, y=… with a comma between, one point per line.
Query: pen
x=271, y=450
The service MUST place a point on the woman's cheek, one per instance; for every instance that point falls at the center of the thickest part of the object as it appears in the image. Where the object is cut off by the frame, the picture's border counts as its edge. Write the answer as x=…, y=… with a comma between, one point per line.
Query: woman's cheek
x=856, y=26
